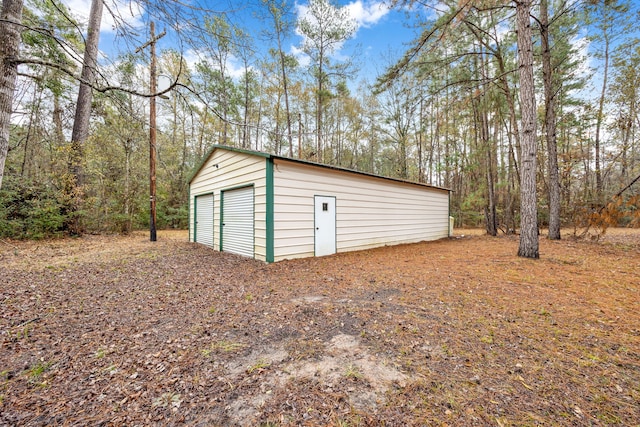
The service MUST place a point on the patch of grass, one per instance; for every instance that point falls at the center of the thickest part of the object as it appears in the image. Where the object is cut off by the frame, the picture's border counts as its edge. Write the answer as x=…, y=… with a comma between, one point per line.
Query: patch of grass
x=100, y=353
x=543, y=312
x=36, y=372
x=222, y=346
x=488, y=339
x=112, y=369
x=228, y=346
x=259, y=366
x=20, y=332
x=446, y=350
x=353, y=372
x=167, y=399
x=609, y=419
x=347, y=423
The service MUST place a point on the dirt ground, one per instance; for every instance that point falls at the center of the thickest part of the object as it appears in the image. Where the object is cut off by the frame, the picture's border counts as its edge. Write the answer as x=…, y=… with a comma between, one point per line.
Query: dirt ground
x=460, y=332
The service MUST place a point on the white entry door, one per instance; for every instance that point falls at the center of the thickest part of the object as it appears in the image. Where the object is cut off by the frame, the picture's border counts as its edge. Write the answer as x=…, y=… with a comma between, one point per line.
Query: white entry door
x=204, y=219
x=325, y=224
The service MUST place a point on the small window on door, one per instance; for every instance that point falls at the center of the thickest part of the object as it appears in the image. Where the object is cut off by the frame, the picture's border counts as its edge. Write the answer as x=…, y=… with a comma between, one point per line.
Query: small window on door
x=325, y=207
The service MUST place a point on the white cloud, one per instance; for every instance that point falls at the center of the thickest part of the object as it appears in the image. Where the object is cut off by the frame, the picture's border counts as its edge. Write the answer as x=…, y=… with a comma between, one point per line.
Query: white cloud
x=191, y=58
x=303, y=58
x=364, y=14
x=581, y=44
x=131, y=13
x=367, y=14
x=233, y=66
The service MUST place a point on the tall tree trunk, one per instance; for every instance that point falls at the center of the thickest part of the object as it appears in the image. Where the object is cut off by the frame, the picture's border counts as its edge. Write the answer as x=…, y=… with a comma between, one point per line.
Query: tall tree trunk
x=490, y=212
x=509, y=215
x=319, y=101
x=203, y=130
x=245, y=124
x=276, y=134
x=550, y=125
x=57, y=120
x=515, y=129
x=528, y=199
x=447, y=154
x=31, y=129
x=627, y=124
x=420, y=134
x=600, y=116
x=487, y=146
x=80, y=131
x=10, y=19
x=285, y=88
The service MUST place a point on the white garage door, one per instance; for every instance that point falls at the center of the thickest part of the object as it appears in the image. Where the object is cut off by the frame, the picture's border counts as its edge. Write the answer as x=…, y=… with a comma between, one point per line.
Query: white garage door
x=204, y=219
x=237, y=221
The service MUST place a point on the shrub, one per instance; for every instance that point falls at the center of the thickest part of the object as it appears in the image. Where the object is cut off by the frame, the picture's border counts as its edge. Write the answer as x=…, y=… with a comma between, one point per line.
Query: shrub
x=29, y=209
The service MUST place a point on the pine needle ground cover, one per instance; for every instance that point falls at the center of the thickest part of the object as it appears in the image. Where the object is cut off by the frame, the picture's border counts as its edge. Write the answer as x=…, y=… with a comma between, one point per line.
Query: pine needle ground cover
x=121, y=331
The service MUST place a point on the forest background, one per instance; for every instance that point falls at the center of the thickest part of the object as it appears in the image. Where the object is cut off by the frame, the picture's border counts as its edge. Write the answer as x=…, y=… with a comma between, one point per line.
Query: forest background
x=444, y=109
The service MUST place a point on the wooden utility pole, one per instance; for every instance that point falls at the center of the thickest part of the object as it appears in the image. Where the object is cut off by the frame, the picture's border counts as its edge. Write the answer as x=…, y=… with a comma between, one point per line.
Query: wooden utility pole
x=152, y=129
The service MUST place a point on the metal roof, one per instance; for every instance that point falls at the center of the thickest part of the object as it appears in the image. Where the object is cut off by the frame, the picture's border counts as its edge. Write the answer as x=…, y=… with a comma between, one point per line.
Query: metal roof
x=304, y=162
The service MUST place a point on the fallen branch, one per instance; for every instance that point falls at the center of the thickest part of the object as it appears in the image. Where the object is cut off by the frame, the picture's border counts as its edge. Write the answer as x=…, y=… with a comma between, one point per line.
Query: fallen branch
x=591, y=221
x=35, y=319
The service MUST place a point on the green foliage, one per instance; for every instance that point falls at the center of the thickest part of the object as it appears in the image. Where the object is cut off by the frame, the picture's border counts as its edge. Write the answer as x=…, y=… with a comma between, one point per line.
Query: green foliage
x=445, y=114
x=471, y=208
x=352, y=372
x=36, y=372
x=30, y=210
x=259, y=366
x=175, y=217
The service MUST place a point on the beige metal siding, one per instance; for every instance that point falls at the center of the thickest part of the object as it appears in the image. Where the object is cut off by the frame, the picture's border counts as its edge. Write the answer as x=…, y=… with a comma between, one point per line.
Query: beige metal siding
x=370, y=211
x=225, y=170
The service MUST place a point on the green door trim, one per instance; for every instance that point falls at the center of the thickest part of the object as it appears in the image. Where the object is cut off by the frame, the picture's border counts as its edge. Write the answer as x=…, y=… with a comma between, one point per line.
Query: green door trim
x=269, y=212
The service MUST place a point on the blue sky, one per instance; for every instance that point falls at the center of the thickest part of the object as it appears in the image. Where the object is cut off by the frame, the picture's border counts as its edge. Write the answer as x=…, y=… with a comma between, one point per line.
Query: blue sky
x=381, y=34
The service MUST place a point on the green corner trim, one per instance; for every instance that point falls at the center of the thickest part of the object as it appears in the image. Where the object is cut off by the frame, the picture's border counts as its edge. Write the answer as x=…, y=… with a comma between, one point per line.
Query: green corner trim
x=221, y=218
x=269, y=214
x=449, y=216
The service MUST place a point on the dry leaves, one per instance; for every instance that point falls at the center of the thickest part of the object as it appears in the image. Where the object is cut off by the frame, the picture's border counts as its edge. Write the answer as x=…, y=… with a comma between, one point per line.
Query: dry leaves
x=121, y=331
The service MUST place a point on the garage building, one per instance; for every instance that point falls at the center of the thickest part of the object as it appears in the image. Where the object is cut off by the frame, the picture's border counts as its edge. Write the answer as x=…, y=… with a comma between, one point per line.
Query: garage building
x=273, y=208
